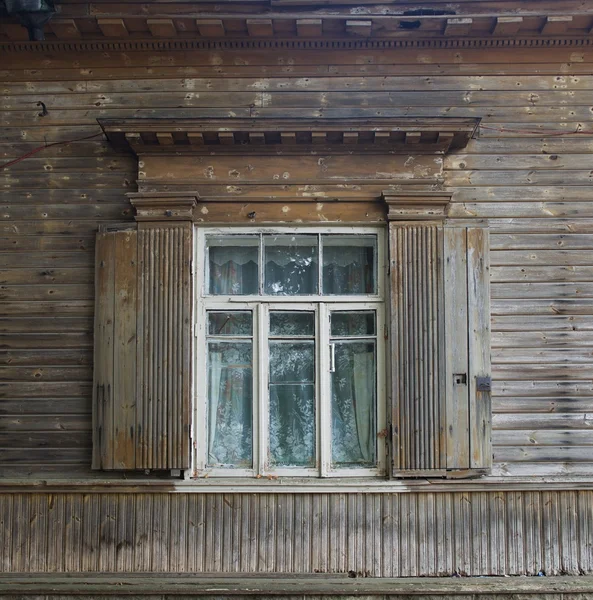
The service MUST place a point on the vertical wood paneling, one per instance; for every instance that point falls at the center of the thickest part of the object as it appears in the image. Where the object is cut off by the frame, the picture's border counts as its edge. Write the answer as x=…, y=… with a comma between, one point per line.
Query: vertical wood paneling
x=114, y=390
x=418, y=418
x=164, y=347
x=393, y=535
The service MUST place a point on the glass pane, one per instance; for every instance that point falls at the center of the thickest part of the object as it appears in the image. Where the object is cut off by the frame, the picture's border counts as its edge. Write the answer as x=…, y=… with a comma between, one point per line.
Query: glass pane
x=233, y=265
x=230, y=401
x=353, y=405
x=229, y=323
x=292, y=403
x=291, y=265
x=349, y=264
x=352, y=323
x=292, y=324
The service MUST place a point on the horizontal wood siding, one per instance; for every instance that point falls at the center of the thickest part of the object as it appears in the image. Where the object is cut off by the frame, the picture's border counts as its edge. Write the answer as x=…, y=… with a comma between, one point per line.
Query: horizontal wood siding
x=387, y=535
x=533, y=185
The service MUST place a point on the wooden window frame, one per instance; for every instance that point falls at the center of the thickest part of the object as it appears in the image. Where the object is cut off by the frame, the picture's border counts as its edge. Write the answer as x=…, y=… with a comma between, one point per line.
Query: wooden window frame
x=261, y=305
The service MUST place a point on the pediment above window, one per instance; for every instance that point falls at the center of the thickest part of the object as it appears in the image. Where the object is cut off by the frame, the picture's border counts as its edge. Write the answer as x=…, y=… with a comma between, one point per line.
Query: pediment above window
x=366, y=170
x=207, y=136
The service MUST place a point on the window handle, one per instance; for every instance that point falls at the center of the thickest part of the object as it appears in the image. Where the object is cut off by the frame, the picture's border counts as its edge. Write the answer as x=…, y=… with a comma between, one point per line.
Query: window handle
x=332, y=358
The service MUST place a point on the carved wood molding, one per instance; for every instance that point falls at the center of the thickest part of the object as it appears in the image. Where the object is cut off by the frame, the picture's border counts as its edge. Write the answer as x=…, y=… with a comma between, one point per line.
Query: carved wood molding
x=163, y=206
x=251, y=135
x=303, y=23
x=417, y=205
x=160, y=45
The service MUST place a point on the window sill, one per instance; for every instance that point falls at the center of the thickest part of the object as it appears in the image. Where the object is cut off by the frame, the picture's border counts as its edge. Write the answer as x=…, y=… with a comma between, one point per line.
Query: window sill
x=116, y=483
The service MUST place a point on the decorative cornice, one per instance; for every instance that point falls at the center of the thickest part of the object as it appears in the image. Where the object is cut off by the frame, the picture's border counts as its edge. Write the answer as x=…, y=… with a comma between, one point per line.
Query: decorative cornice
x=163, y=206
x=250, y=135
x=417, y=205
x=326, y=44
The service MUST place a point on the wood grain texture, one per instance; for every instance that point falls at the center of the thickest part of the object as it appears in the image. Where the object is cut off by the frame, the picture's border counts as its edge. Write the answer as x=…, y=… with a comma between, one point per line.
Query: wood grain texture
x=525, y=172
x=379, y=535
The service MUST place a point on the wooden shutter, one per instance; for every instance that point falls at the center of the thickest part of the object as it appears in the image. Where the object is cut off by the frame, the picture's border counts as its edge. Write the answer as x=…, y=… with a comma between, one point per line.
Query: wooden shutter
x=440, y=350
x=142, y=376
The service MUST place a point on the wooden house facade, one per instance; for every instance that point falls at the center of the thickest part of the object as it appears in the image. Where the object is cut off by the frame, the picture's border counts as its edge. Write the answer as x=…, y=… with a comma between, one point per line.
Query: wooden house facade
x=296, y=300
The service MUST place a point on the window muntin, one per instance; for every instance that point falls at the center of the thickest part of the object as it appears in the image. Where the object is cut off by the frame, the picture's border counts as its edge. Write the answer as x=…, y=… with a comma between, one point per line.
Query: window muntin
x=305, y=420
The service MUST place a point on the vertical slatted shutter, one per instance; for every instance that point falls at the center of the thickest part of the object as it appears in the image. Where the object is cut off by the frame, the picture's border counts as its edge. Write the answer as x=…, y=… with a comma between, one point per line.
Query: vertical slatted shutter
x=142, y=375
x=440, y=350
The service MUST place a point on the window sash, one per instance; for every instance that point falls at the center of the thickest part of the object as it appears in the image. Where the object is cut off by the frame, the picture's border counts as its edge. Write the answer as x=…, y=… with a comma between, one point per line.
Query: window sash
x=261, y=307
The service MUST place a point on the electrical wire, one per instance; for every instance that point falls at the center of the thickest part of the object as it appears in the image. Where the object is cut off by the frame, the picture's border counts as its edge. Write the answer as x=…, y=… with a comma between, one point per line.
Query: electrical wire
x=40, y=148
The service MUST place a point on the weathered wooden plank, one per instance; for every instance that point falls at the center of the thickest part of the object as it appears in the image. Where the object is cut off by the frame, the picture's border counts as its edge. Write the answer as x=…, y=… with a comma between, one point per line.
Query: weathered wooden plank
x=44, y=439
x=47, y=292
x=501, y=177
x=509, y=161
x=540, y=372
x=542, y=323
x=519, y=210
x=560, y=306
x=298, y=212
x=155, y=97
x=298, y=169
x=456, y=336
x=55, y=423
x=38, y=456
x=542, y=454
x=54, y=276
x=46, y=373
x=542, y=290
x=478, y=302
x=545, y=241
x=61, y=180
x=558, y=389
x=46, y=324
x=541, y=274
x=21, y=243
x=542, y=421
x=22, y=341
x=45, y=406
x=125, y=335
x=45, y=260
x=562, y=437
x=45, y=357
x=542, y=405
x=30, y=309
x=537, y=339
x=541, y=257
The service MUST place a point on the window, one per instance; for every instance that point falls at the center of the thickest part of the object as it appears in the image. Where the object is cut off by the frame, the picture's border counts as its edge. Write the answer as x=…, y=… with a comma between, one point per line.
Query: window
x=290, y=346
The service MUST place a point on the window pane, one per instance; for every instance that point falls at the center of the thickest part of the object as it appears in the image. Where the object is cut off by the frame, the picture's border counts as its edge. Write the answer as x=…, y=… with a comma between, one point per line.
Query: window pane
x=353, y=405
x=345, y=324
x=229, y=323
x=233, y=265
x=292, y=403
x=349, y=264
x=291, y=263
x=230, y=400
x=292, y=324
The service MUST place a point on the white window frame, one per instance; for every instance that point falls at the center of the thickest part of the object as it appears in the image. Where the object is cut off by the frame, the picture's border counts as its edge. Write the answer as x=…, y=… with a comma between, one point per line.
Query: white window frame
x=260, y=307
